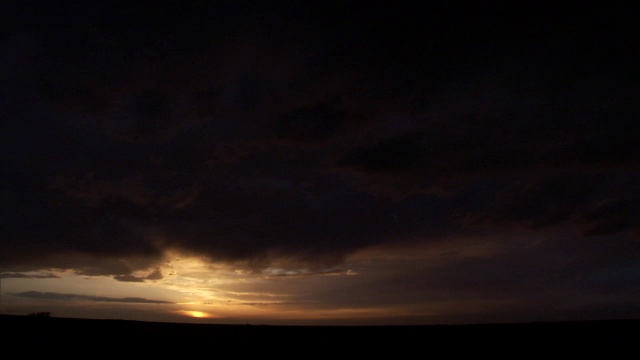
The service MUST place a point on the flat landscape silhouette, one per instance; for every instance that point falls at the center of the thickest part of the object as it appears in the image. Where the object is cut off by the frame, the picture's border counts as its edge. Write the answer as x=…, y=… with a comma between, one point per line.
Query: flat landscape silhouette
x=60, y=332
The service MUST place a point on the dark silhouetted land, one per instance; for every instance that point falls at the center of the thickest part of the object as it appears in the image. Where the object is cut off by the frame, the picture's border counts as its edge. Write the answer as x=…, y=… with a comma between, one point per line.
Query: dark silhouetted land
x=115, y=334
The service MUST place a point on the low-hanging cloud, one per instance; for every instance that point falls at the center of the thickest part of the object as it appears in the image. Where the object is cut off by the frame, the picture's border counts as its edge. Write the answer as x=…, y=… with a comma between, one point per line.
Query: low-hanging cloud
x=77, y=297
x=10, y=275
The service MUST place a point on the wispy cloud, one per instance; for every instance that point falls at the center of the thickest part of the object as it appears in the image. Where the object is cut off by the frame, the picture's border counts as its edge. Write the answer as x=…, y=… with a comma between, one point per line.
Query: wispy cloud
x=261, y=304
x=78, y=297
x=280, y=273
x=28, y=276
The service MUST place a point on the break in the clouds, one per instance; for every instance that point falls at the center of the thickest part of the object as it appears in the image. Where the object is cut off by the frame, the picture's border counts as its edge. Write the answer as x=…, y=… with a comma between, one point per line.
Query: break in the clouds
x=300, y=135
x=76, y=297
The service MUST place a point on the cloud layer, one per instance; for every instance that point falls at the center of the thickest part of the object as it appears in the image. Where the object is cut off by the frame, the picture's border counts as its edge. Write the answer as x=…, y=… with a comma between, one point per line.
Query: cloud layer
x=77, y=297
x=308, y=134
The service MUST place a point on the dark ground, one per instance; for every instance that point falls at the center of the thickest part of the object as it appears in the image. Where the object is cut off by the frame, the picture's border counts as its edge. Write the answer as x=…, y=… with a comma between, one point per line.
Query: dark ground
x=78, y=336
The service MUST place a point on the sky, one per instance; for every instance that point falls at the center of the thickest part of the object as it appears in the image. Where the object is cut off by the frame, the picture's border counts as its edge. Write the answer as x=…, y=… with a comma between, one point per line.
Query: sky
x=320, y=162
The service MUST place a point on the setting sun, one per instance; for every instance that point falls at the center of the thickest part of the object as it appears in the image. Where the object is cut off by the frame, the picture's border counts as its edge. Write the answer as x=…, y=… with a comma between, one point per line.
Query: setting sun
x=196, y=314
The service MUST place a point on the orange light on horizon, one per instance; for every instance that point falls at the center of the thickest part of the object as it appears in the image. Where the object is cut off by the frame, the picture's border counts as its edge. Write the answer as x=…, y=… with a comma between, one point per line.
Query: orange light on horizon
x=197, y=314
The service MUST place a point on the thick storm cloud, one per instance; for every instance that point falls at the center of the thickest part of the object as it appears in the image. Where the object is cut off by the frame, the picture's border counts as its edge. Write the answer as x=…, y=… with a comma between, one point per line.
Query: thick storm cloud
x=306, y=132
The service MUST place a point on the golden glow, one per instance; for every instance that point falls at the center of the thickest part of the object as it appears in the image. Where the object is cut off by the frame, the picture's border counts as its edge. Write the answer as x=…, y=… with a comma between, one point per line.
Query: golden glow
x=189, y=288
x=197, y=314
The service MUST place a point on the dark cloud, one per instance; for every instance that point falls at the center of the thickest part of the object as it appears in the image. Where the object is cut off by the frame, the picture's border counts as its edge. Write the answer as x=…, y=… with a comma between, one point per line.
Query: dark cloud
x=276, y=273
x=610, y=216
x=266, y=304
x=392, y=155
x=128, y=278
x=9, y=275
x=76, y=297
x=306, y=133
x=595, y=203
x=545, y=201
x=154, y=275
x=510, y=275
x=311, y=124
